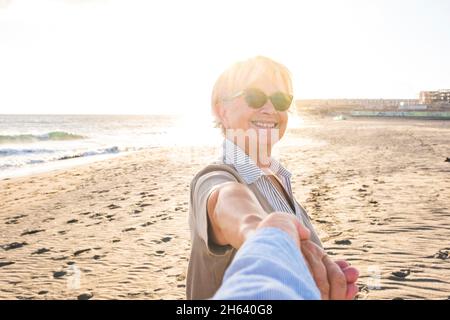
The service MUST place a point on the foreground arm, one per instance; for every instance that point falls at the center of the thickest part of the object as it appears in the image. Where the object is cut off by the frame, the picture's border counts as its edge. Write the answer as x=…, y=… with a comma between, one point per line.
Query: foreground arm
x=234, y=214
x=269, y=265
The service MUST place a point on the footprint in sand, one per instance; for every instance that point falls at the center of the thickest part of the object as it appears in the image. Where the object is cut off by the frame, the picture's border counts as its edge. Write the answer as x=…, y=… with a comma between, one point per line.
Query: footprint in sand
x=100, y=191
x=166, y=239
x=41, y=251
x=96, y=216
x=15, y=219
x=85, y=296
x=59, y=258
x=128, y=229
x=72, y=221
x=403, y=273
x=59, y=274
x=113, y=206
x=13, y=245
x=29, y=232
x=5, y=263
x=343, y=242
x=78, y=252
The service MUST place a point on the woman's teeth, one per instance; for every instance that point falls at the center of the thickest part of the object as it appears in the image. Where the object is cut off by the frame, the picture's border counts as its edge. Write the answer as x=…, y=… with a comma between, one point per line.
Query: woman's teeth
x=265, y=125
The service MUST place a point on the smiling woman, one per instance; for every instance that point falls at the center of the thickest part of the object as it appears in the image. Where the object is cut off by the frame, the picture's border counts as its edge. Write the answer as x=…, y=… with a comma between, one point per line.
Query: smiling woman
x=241, y=79
x=230, y=197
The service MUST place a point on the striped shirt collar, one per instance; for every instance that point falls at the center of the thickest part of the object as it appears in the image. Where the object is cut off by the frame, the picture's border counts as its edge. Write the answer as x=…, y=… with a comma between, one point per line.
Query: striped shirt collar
x=245, y=166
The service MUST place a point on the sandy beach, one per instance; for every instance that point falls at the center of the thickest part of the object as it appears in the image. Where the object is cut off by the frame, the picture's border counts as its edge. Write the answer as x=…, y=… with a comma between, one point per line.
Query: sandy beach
x=377, y=190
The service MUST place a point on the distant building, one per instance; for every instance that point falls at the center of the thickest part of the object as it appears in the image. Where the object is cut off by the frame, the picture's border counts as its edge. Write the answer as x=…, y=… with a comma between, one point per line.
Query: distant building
x=343, y=104
x=438, y=96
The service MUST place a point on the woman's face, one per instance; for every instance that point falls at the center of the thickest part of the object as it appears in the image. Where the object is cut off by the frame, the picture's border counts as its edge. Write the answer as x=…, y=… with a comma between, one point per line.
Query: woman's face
x=236, y=114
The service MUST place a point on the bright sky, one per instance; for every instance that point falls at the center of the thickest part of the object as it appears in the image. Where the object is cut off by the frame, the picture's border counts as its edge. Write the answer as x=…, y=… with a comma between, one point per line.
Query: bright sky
x=141, y=56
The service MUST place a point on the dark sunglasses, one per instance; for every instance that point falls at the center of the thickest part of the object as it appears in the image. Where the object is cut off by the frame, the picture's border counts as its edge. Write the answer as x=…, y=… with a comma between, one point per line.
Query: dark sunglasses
x=256, y=98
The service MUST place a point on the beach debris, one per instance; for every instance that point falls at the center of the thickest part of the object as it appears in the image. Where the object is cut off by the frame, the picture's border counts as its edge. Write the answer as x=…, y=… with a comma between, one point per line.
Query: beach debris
x=343, y=242
x=403, y=273
x=447, y=159
x=13, y=245
x=166, y=239
x=72, y=221
x=442, y=254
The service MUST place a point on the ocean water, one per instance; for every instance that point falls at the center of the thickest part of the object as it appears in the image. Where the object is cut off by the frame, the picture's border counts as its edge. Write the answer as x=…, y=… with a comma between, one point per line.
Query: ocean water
x=34, y=143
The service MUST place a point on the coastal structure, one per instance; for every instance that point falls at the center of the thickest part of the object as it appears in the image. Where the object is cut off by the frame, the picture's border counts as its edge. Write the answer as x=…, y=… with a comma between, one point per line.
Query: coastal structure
x=435, y=97
x=431, y=104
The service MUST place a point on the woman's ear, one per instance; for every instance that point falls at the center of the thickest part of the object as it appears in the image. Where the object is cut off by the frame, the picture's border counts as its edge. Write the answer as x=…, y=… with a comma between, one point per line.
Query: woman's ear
x=219, y=110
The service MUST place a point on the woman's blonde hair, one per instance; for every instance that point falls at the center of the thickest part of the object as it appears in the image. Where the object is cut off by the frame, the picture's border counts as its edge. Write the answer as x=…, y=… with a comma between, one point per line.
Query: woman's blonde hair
x=242, y=74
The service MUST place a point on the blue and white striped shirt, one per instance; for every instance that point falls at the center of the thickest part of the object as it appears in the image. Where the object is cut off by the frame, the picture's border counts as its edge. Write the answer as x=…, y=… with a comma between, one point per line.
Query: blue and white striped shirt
x=251, y=173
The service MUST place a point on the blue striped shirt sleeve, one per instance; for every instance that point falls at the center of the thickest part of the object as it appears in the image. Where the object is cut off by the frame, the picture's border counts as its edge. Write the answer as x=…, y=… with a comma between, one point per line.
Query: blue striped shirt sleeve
x=268, y=266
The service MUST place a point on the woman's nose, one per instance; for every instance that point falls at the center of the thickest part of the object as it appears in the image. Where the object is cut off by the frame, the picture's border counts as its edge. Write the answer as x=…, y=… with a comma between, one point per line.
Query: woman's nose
x=268, y=108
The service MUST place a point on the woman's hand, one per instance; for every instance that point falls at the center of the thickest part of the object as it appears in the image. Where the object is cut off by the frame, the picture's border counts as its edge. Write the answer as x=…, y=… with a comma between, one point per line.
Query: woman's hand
x=335, y=280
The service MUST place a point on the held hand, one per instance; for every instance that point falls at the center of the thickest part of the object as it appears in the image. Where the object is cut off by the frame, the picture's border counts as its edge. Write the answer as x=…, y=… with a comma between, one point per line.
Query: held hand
x=351, y=275
x=287, y=223
x=335, y=280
